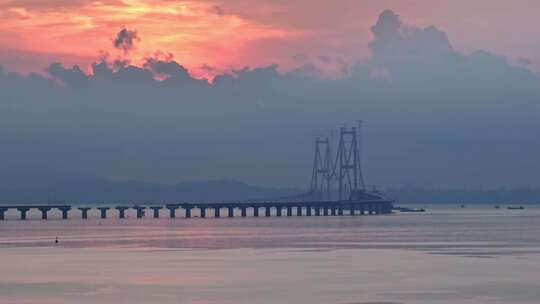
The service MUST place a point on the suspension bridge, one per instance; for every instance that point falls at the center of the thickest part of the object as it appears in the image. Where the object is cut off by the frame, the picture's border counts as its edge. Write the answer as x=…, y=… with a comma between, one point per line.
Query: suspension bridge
x=337, y=188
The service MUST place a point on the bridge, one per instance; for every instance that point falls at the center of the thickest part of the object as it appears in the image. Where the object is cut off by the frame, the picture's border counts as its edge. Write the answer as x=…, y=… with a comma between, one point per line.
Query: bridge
x=337, y=189
x=216, y=210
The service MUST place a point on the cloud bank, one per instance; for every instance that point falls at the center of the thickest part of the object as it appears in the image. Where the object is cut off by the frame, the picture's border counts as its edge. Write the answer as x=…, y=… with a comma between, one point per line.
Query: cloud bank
x=434, y=117
x=125, y=40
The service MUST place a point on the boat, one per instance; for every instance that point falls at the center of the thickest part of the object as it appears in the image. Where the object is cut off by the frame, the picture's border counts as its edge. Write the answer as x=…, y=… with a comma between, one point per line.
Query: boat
x=516, y=208
x=405, y=209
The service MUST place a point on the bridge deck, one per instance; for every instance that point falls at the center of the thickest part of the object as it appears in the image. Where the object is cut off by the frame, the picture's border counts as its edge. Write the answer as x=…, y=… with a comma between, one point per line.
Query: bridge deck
x=328, y=208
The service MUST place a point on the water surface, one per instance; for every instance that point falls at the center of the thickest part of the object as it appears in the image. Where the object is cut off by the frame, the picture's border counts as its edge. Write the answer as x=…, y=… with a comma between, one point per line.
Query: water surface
x=448, y=255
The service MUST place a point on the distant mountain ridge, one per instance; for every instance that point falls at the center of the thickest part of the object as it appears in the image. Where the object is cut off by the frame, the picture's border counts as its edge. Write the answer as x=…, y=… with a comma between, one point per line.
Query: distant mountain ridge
x=99, y=190
x=463, y=196
x=102, y=190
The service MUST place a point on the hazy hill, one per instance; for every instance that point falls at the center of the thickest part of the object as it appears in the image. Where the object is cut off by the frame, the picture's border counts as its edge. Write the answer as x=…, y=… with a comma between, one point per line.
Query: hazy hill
x=101, y=190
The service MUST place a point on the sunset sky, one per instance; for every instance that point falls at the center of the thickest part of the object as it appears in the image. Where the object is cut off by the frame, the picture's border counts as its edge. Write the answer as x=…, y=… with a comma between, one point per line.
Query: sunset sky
x=448, y=90
x=213, y=36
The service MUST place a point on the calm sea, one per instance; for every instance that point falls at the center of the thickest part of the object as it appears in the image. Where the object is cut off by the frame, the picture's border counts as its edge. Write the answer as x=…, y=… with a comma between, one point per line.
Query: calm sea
x=448, y=255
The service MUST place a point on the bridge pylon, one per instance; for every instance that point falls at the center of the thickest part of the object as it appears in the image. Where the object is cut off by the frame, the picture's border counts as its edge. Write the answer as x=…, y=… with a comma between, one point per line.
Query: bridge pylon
x=348, y=166
x=321, y=179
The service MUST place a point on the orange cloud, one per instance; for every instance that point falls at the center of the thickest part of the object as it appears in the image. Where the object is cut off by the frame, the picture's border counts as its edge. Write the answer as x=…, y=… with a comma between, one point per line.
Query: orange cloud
x=228, y=34
x=197, y=33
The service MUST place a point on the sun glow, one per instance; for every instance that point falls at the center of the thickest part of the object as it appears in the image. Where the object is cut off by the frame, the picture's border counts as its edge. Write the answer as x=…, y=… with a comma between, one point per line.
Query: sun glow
x=196, y=33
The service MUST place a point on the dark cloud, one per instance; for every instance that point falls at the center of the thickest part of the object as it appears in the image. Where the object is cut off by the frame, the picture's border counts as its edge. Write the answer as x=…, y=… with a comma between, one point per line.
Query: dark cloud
x=524, y=62
x=395, y=42
x=434, y=117
x=218, y=10
x=73, y=77
x=125, y=40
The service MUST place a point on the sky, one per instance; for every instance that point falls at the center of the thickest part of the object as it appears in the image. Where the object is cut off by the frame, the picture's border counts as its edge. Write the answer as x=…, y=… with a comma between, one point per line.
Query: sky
x=210, y=37
x=169, y=91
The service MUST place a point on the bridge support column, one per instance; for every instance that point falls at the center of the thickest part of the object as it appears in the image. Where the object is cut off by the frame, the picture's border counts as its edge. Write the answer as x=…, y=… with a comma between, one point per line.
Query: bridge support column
x=23, y=212
x=103, y=212
x=140, y=212
x=362, y=209
x=2, y=213
x=352, y=211
x=340, y=211
x=243, y=211
x=268, y=211
x=325, y=210
x=333, y=211
x=308, y=211
x=289, y=211
x=156, y=211
x=44, y=211
x=217, y=212
x=231, y=211
x=317, y=211
x=188, y=212
x=172, y=211
x=84, y=211
x=299, y=211
x=370, y=209
x=278, y=210
x=121, y=211
x=256, y=211
x=203, y=212
x=65, y=211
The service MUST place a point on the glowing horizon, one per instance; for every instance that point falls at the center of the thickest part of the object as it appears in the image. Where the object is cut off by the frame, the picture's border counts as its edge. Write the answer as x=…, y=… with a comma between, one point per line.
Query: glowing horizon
x=216, y=36
x=196, y=34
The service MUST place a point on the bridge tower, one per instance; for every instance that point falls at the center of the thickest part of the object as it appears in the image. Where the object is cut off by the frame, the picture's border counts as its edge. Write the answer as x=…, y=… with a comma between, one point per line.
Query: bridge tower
x=348, y=165
x=321, y=179
x=360, y=146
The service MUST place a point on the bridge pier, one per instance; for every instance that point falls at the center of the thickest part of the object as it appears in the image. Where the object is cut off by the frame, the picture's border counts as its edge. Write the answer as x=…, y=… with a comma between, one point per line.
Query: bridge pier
x=121, y=211
x=256, y=211
x=103, y=212
x=65, y=212
x=2, y=213
x=289, y=210
x=317, y=211
x=352, y=211
x=172, y=211
x=298, y=211
x=44, y=211
x=325, y=210
x=340, y=211
x=217, y=212
x=268, y=211
x=362, y=209
x=140, y=211
x=243, y=211
x=23, y=212
x=156, y=211
x=188, y=212
x=231, y=211
x=308, y=211
x=84, y=211
x=203, y=212
x=278, y=210
x=333, y=211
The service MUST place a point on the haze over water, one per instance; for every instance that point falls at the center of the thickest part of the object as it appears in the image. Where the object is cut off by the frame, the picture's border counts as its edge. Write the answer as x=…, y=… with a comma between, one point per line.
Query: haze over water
x=448, y=255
